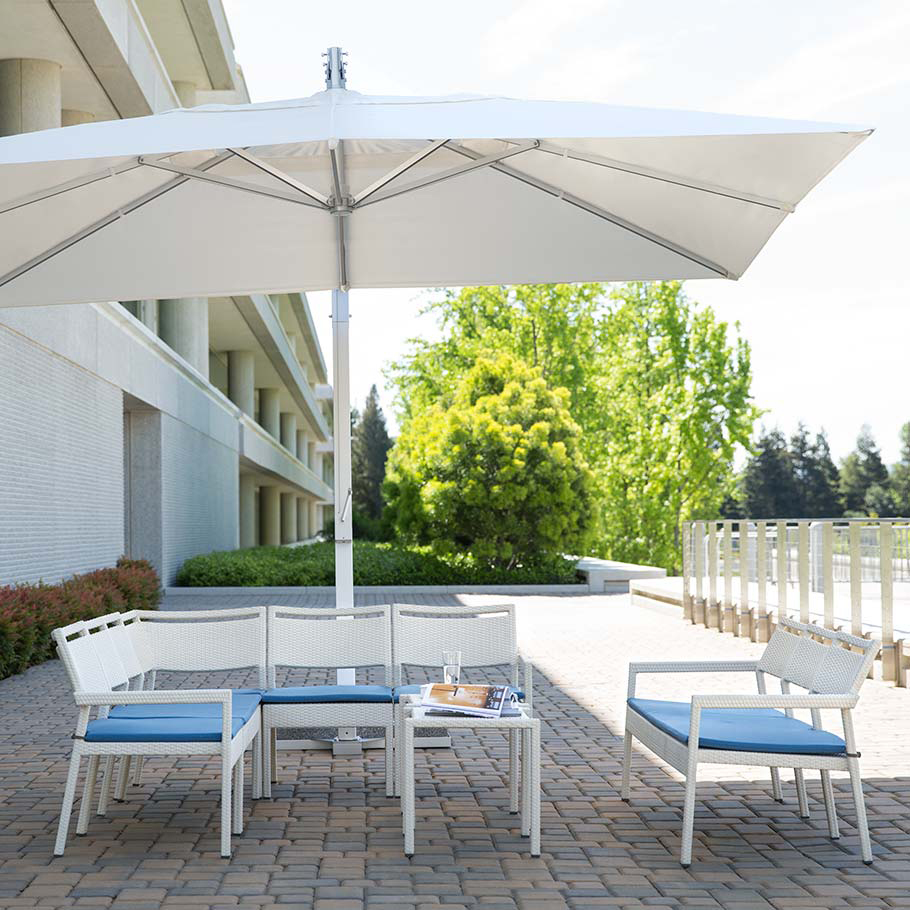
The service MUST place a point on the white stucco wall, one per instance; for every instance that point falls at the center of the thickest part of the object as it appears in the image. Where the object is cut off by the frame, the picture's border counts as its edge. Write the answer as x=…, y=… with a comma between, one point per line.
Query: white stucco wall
x=61, y=465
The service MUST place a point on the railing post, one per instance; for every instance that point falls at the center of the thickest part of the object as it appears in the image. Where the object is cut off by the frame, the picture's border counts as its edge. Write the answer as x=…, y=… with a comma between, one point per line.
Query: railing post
x=686, y=531
x=885, y=556
x=856, y=581
x=712, y=612
x=744, y=625
x=760, y=625
x=782, y=554
x=803, y=571
x=828, y=572
x=728, y=621
x=698, y=613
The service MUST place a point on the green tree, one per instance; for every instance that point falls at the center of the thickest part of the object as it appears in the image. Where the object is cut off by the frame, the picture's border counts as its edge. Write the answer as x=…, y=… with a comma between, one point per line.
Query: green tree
x=370, y=444
x=768, y=482
x=860, y=470
x=815, y=475
x=659, y=387
x=900, y=475
x=493, y=468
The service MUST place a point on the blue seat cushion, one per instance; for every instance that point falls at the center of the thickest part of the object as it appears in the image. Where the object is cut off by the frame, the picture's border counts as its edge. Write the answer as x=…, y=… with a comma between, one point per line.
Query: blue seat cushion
x=158, y=729
x=415, y=690
x=326, y=695
x=244, y=703
x=740, y=729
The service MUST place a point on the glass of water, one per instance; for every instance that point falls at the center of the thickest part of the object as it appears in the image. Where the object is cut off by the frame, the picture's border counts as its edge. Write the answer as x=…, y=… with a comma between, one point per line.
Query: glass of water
x=451, y=667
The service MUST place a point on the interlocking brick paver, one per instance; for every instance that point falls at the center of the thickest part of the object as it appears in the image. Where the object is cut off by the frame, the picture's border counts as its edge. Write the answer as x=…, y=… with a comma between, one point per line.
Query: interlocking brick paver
x=331, y=839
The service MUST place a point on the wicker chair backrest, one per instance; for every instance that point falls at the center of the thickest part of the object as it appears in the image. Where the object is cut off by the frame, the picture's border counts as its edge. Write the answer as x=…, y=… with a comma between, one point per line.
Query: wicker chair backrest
x=80, y=658
x=836, y=665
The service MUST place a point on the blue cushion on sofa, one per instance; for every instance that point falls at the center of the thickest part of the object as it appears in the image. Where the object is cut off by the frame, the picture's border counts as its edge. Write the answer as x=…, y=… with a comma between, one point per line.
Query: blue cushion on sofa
x=244, y=703
x=415, y=690
x=158, y=729
x=325, y=695
x=740, y=729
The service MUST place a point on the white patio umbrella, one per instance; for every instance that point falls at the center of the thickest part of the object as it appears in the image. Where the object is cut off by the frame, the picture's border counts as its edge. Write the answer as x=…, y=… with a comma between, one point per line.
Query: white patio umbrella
x=343, y=190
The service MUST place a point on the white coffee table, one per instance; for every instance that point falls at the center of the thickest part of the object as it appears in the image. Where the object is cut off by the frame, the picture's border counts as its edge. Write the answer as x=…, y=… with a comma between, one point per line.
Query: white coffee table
x=523, y=723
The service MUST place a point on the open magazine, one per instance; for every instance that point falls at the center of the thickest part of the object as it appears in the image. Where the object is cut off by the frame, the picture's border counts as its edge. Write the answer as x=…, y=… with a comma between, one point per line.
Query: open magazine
x=475, y=701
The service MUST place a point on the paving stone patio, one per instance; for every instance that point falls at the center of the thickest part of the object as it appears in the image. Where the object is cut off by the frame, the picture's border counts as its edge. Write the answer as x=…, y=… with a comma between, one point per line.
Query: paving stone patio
x=330, y=839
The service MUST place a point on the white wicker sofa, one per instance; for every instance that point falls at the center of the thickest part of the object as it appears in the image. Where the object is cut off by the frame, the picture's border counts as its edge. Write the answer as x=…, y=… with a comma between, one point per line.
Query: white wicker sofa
x=106, y=657
x=761, y=729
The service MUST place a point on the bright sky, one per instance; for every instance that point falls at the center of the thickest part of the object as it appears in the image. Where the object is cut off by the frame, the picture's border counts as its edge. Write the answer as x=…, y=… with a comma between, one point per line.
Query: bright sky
x=825, y=305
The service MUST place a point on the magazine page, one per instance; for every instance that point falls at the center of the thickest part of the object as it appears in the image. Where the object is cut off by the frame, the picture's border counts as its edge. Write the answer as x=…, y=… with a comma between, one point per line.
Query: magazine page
x=480, y=701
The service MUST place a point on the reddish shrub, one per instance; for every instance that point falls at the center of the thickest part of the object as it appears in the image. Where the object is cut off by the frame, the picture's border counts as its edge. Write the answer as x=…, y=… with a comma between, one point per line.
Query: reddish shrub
x=29, y=613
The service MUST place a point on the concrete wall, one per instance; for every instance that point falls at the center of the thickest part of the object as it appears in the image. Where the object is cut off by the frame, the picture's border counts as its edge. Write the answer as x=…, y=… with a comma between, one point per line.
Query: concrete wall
x=61, y=465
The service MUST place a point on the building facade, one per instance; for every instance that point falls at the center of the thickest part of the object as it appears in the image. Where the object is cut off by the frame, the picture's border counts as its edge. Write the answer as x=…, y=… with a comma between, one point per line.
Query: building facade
x=153, y=428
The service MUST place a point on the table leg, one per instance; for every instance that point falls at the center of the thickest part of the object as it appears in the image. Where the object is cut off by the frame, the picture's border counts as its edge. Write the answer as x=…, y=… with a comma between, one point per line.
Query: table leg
x=534, y=763
x=513, y=771
x=525, y=782
x=407, y=786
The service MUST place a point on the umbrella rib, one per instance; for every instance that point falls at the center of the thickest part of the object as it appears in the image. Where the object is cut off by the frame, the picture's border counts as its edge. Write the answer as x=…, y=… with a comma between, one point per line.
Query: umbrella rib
x=479, y=161
x=602, y=213
x=232, y=183
x=667, y=177
x=267, y=168
x=116, y=215
x=398, y=171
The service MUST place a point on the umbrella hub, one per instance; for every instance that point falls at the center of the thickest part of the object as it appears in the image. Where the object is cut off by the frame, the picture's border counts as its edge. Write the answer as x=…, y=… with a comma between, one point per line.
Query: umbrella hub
x=335, y=68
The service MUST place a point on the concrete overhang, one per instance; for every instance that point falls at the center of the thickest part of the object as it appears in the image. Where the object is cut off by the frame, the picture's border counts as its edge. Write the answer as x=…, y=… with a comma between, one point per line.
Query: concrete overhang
x=300, y=307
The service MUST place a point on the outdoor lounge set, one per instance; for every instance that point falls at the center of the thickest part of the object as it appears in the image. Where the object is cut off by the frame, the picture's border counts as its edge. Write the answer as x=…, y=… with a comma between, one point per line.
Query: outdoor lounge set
x=112, y=663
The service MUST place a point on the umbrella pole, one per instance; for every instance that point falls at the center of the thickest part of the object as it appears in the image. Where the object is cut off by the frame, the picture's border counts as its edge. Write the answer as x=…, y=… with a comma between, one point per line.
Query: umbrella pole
x=344, y=557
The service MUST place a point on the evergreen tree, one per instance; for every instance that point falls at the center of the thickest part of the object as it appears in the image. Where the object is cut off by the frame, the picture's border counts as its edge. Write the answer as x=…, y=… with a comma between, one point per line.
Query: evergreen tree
x=370, y=444
x=900, y=475
x=816, y=476
x=769, y=488
x=860, y=471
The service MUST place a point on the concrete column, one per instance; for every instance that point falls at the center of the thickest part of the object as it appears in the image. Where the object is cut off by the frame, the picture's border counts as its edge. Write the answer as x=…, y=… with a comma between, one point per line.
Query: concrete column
x=303, y=518
x=186, y=92
x=183, y=324
x=311, y=455
x=292, y=341
x=300, y=451
x=289, y=432
x=288, y=518
x=248, y=535
x=270, y=412
x=147, y=314
x=74, y=118
x=315, y=523
x=241, y=380
x=29, y=96
x=269, y=516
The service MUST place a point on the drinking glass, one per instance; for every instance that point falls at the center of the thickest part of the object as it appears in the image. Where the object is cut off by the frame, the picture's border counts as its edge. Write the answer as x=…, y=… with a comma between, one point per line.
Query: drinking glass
x=451, y=667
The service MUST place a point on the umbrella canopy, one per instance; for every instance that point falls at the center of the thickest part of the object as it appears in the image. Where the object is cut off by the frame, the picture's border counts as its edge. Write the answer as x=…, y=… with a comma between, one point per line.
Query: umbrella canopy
x=435, y=191
x=343, y=190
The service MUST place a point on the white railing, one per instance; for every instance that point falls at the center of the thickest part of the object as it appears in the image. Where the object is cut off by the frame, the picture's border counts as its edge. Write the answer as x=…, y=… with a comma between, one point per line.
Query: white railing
x=839, y=573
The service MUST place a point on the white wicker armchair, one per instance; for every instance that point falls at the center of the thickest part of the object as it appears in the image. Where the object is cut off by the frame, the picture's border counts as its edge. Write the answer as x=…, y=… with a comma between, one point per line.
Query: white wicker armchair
x=358, y=637
x=486, y=637
x=761, y=729
x=103, y=657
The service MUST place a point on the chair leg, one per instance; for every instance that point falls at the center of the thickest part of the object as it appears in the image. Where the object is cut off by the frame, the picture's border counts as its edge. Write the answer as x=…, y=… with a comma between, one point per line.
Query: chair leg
x=137, y=770
x=273, y=754
x=407, y=787
x=862, y=823
x=266, y=739
x=226, y=782
x=685, y=858
x=125, y=763
x=237, y=805
x=513, y=771
x=69, y=794
x=534, y=773
x=88, y=794
x=776, y=789
x=625, y=789
x=256, y=761
x=526, y=779
x=399, y=740
x=390, y=759
x=107, y=781
x=801, y=793
x=830, y=808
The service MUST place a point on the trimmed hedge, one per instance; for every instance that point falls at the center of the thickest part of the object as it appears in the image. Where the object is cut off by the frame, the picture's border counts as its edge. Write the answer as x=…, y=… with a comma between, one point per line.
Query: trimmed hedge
x=374, y=564
x=29, y=613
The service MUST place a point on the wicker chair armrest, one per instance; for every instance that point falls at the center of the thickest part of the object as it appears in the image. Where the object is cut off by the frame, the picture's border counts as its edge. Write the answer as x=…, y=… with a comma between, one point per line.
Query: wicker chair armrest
x=688, y=666
x=775, y=701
